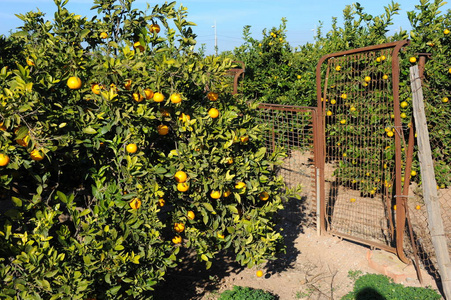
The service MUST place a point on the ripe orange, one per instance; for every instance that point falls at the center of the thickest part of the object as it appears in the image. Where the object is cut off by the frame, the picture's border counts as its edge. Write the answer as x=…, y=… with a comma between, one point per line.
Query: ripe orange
x=259, y=273
x=128, y=84
x=137, y=45
x=446, y=31
x=4, y=159
x=148, y=93
x=403, y=115
x=138, y=97
x=183, y=116
x=352, y=200
x=227, y=193
x=212, y=96
x=404, y=104
x=23, y=141
x=175, y=98
x=390, y=133
x=179, y=227
x=383, y=57
x=103, y=35
x=215, y=194
x=445, y=99
x=333, y=101
x=240, y=185
x=337, y=68
x=37, y=155
x=190, y=215
x=244, y=139
x=413, y=59
x=135, y=203
x=182, y=186
x=158, y=97
x=264, y=196
x=74, y=83
x=418, y=207
x=155, y=28
x=177, y=239
x=161, y=202
x=329, y=113
x=385, y=77
x=413, y=173
x=343, y=121
x=131, y=148
x=367, y=78
x=180, y=176
x=95, y=88
x=344, y=96
x=163, y=129
x=352, y=108
x=213, y=113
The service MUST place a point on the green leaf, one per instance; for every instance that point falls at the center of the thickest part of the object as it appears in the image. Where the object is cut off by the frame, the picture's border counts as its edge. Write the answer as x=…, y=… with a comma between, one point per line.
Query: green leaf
x=17, y=202
x=119, y=247
x=89, y=130
x=204, y=257
x=208, y=206
x=84, y=33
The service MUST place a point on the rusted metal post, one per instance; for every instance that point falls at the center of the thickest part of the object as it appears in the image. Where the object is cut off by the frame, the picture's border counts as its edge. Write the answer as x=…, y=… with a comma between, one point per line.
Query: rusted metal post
x=237, y=72
x=400, y=199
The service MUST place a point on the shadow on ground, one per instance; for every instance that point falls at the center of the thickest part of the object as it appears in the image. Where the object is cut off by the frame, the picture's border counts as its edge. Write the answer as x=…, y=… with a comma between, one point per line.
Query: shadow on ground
x=190, y=280
x=292, y=219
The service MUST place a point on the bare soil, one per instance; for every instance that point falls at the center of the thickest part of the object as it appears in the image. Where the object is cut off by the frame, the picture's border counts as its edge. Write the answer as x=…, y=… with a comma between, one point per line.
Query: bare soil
x=314, y=267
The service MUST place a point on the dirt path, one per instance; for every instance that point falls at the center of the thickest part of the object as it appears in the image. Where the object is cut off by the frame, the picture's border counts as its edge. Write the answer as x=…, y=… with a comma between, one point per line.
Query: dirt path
x=314, y=267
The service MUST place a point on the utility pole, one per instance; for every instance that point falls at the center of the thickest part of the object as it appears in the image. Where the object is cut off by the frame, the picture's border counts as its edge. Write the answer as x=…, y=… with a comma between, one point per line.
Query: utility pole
x=216, y=39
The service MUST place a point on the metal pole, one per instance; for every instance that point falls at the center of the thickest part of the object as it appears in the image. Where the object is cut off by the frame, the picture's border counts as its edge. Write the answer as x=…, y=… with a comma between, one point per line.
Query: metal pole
x=216, y=39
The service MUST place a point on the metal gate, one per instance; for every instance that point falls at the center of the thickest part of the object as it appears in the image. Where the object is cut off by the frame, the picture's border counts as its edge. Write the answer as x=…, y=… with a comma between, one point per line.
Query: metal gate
x=360, y=157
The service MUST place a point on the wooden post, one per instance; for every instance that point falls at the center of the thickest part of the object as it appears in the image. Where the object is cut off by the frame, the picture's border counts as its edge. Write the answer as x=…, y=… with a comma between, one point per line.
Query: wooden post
x=429, y=184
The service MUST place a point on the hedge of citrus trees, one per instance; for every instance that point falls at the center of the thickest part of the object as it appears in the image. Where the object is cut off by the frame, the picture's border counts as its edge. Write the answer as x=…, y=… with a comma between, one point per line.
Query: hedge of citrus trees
x=278, y=73
x=119, y=145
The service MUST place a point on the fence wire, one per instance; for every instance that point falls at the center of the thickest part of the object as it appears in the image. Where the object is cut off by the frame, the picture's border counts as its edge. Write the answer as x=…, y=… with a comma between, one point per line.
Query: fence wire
x=291, y=127
x=359, y=146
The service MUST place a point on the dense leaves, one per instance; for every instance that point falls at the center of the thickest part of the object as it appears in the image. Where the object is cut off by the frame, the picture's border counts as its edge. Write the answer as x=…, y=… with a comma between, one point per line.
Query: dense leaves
x=97, y=117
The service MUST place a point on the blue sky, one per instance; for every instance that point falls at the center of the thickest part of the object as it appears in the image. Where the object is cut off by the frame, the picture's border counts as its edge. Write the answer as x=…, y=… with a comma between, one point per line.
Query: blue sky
x=231, y=16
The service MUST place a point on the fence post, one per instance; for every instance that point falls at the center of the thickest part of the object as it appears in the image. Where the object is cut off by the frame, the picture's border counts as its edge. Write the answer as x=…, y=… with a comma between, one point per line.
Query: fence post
x=431, y=199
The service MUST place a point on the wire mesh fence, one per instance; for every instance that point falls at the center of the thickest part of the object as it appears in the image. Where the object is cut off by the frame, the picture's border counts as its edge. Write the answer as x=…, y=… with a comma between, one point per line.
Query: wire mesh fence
x=360, y=145
x=292, y=128
x=363, y=141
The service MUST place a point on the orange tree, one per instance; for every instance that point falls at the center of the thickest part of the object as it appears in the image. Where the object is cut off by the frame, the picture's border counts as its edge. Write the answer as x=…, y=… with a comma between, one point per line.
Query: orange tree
x=119, y=146
x=279, y=74
x=274, y=73
x=431, y=34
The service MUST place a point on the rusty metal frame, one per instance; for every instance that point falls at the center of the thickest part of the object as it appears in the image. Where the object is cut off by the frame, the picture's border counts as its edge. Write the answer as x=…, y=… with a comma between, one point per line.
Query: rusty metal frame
x=236, y=73
x=400, y=195
x=315, y=132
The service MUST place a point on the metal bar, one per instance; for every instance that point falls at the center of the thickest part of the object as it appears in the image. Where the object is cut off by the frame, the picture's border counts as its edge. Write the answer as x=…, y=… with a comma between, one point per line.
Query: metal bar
x=400, y=201
x=363, y=241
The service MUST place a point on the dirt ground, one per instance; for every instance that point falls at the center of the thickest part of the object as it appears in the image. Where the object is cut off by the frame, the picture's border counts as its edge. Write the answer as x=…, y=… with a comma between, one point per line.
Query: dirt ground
x=314, y=267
